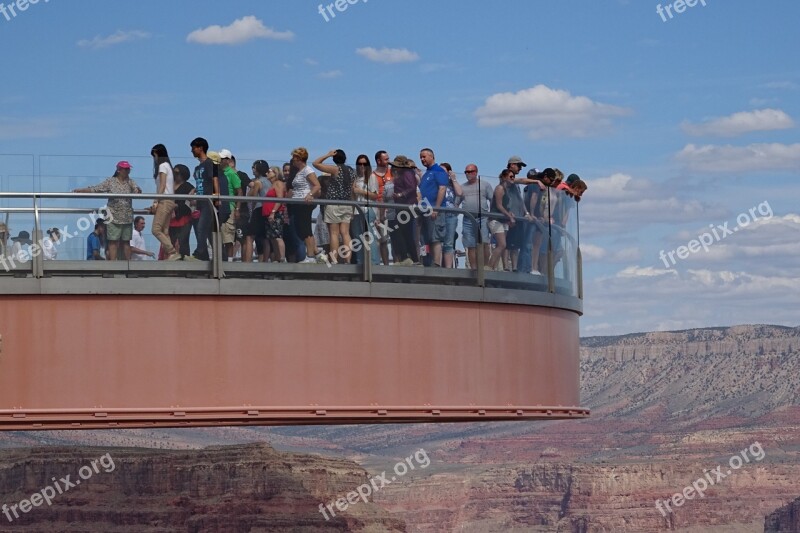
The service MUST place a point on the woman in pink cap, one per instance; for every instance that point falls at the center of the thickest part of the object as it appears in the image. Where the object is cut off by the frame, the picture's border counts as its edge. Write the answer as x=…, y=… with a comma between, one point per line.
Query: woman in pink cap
x=119, y=228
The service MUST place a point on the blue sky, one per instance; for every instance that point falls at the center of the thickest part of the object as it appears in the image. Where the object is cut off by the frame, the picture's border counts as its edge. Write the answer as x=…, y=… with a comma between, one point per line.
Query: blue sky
x=675, y=125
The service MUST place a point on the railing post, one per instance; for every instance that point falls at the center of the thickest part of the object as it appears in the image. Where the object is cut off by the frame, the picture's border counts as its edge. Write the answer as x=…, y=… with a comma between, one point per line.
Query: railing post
x=479, y=258
x=551, y=270
x=366, y=247
x=37, y=269
x=217, y=270
x=579, y=272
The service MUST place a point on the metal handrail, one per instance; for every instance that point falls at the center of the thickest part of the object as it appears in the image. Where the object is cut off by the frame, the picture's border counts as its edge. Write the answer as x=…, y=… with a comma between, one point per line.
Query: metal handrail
x=217, y=263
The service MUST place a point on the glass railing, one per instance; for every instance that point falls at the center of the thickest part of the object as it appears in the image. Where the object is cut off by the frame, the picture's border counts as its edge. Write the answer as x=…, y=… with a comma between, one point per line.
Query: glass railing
x=380, y=241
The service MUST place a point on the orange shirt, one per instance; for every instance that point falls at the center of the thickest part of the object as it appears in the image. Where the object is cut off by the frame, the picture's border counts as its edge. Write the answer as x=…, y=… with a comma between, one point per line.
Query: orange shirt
x=382, y=181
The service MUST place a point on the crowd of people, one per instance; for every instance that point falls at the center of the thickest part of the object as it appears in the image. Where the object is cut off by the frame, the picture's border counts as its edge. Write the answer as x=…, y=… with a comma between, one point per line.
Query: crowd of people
x=398, y=218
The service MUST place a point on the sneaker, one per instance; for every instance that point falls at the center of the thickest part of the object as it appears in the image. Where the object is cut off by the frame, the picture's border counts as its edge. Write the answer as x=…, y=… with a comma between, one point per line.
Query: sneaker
x=309, y=260
x=321, y=258
x=175, y=257
x=407, y=262
x=536, y=273
x=283, y=260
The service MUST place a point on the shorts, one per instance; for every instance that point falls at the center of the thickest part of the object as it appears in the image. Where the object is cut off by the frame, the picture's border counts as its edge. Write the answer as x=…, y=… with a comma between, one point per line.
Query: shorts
x=381, y=230
x=338, y=214
x=433, y=230
x=255, y=226
x=274, y=229
x=228, y=231
x=119, y=232
x=516, y=234
x=470, y=230
x=495, y=226
x=451, y=225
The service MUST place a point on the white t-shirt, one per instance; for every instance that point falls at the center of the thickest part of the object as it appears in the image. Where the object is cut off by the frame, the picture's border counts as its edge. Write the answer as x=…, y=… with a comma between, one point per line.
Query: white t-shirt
x=164, y=168
x=138, y=242
x=370, y=185
x=16, y=251
x=49, y=250
x=300, y=185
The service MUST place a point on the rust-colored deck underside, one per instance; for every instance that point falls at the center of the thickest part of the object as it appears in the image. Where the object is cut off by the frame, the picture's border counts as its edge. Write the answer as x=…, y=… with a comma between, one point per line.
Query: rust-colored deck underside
x=94, y=361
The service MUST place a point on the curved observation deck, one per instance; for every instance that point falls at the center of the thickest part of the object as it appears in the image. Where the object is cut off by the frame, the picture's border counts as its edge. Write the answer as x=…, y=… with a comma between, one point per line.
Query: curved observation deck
x=97, y=344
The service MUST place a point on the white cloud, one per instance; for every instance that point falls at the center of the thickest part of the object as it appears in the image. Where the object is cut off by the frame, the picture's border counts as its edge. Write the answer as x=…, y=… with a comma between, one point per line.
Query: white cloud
x=787, y=85
x=594, y=253
x=647, y=272
x=740, y=159
x=648, y=299
x=238, y=32
x=627, y=254
x=768, y=246
x=388, y=55
x=329, y=75
x=115, y=38
x=621, y=204
x=740, y=123
x=312, y=62
x=33, y=128
x=548, y=113
x=590, y=252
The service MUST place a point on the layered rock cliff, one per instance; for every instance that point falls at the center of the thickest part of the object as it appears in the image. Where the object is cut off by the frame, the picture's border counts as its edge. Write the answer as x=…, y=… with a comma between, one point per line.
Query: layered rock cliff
x=240, y=488
x=784, y=520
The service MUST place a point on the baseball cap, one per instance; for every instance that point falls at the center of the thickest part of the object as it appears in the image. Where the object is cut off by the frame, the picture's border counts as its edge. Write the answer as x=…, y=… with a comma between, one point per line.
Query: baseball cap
x=123, y=164
x=572, y=178
x=225, y=154
x=516, y=160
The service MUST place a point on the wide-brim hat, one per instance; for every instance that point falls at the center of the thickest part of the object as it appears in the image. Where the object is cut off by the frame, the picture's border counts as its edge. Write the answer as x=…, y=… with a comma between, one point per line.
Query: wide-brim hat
x=214, y=157
x=402, y=161
x=516, y=160
x=24, y=237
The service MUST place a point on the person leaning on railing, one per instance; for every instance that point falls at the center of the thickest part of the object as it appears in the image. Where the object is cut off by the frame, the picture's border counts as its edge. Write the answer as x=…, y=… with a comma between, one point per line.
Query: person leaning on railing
x=120, y=227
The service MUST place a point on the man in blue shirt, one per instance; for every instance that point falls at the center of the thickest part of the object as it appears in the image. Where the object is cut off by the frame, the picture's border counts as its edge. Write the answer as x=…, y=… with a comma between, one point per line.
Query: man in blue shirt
x=94, y=244
x=432, y=187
